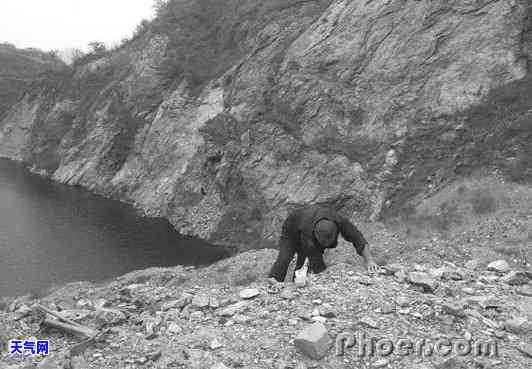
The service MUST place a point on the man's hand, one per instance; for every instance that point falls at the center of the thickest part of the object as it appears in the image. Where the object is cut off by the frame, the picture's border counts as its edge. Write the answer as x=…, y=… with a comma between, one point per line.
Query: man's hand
x=370, y=264
x=372, y=267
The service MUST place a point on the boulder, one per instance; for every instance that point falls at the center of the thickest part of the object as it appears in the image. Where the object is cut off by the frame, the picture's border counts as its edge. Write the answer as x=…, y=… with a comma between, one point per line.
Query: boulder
x=249, y=293
x=424, y=280
x=525, y=291
x=519, y=325
x=201, y=301
x=500, y=266
x=313, y=341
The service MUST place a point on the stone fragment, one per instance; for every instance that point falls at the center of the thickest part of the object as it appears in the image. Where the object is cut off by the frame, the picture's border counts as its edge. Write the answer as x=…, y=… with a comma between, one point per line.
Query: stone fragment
x=154, y=355
x=515, y=278
x=525, y=349
x=201, y=301
x=242, y=319
x=110, y=316
x=500, y=266
x=184, y=300
x=170, y=305
x=215, y=344
x=489, y=279
x=249, y=293
x=525, y=291
x=151, y=327
x=386, y=308
x=313, y=341
x=424, y=280
x=48, y=363
x=454, y=308
x=402, y=301
x=78, y=362
x=393, y=268
x=219, y=366
x=369, y=322
x=84, y=304
x=22, y=312
x=320, y=319
x=327, y=311
x=519, y=325
x=438, y=273
x=452, y=363
x=401, y=275
x=214, y=303
x=75, y=315
x=287, y=293
x=472, y=264
x=381, y=363
x=233, y=309
x=174, y=328
x=197, y=316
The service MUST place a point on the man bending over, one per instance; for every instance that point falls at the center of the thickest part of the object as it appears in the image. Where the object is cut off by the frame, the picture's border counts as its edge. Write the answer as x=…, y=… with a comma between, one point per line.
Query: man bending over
x=308, y=232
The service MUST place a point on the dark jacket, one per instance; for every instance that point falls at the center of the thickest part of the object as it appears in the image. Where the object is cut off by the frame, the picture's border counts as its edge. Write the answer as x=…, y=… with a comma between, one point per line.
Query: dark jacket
x=298, y=228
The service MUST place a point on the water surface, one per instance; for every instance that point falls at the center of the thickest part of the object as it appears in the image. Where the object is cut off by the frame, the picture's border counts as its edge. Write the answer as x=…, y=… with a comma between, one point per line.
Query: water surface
x=52, y=233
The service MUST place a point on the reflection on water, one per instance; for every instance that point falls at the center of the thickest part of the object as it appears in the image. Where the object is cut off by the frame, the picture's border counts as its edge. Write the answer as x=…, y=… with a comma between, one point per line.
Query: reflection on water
x=52, y=233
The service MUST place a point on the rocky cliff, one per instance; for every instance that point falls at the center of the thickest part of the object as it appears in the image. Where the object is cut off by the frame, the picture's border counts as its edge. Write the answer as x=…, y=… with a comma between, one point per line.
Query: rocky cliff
x=222, y=116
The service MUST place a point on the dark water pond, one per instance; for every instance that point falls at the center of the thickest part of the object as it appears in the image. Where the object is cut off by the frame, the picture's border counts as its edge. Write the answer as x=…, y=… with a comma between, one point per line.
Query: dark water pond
x=51, y=234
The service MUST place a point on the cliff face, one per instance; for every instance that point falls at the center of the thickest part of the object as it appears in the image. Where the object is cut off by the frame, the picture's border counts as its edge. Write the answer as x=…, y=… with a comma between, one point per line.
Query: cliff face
x=224, y=125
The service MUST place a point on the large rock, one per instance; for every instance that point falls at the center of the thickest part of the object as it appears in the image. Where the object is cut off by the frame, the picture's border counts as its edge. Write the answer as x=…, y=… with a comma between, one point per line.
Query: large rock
x=424, y=280
x=518, y=325
x=201, y=301
x=500, y=266
x=249, y=293
x=313, y=341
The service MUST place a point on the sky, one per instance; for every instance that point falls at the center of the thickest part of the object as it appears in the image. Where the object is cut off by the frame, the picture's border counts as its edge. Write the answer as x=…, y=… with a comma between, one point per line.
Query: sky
x=64, y=24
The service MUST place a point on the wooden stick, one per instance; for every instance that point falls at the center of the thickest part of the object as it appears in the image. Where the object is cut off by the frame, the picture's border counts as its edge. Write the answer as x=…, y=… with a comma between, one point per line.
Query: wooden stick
x=81, y=347
x=57, y=315
x=78, y=330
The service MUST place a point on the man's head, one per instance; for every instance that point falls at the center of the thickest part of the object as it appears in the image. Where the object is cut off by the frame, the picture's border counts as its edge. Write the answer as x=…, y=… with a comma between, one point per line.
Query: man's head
x=326, y=232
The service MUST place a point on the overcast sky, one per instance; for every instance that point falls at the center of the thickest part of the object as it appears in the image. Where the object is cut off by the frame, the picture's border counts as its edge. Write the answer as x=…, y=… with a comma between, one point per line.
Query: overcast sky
x=61, y=24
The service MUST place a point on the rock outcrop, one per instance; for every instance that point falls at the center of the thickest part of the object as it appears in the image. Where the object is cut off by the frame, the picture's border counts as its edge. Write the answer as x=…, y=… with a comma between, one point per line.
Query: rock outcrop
x=293, y=102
